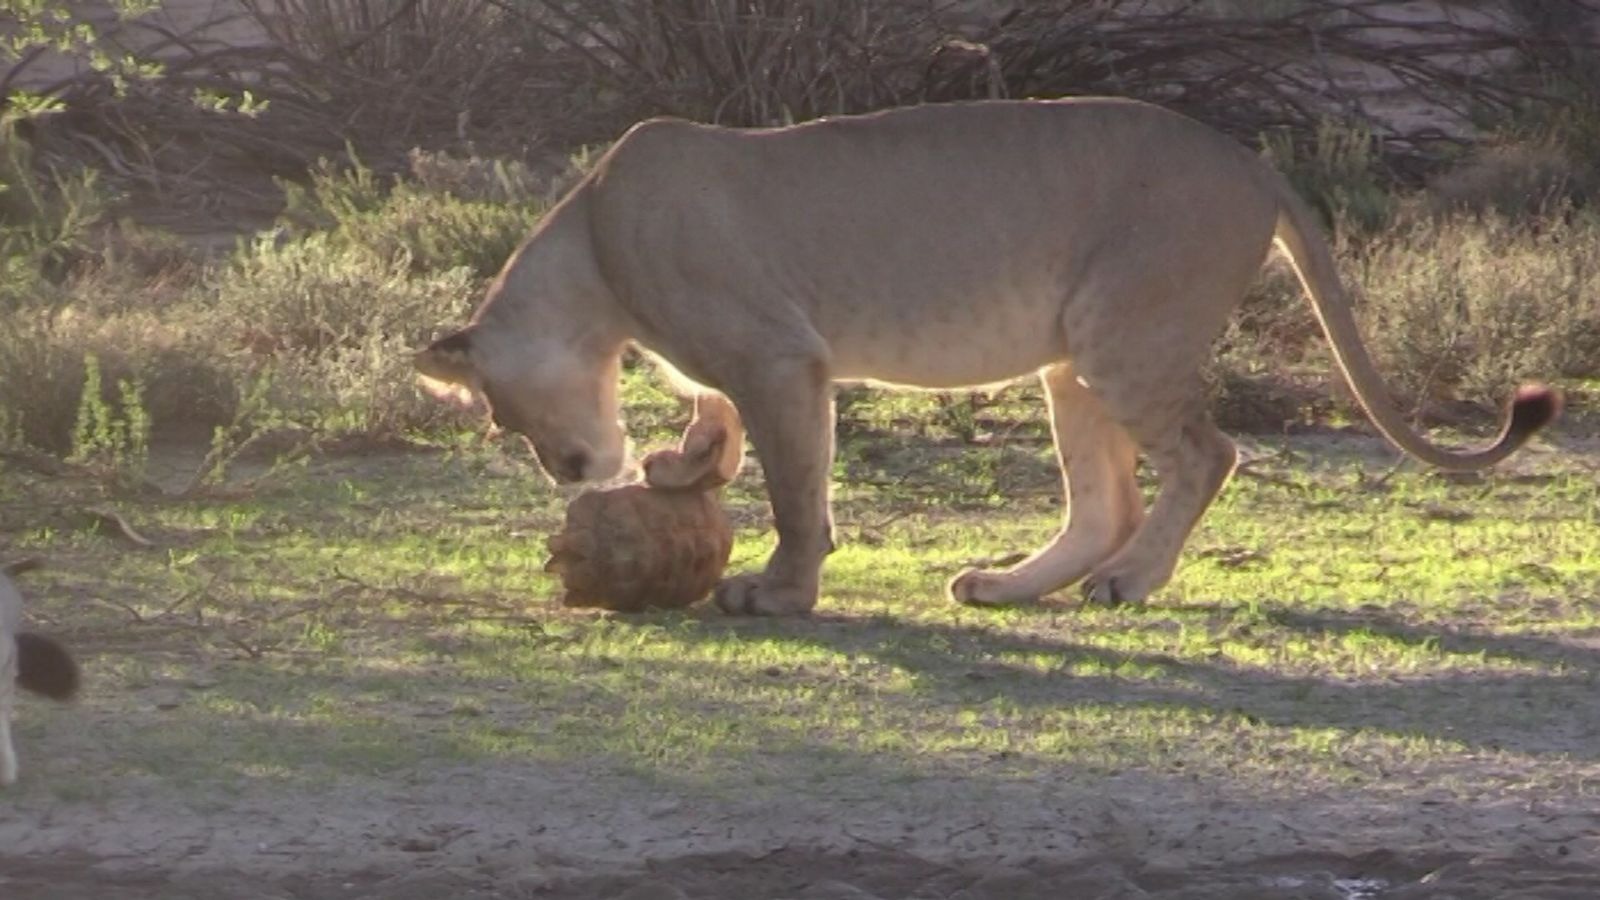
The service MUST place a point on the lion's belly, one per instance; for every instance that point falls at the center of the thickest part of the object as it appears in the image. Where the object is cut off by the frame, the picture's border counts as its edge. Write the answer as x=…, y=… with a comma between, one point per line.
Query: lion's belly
x=946, y=346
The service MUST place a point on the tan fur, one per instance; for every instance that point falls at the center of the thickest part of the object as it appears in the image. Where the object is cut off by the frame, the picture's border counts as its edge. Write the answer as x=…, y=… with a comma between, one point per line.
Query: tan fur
x=1102, y=243
x=10, y=621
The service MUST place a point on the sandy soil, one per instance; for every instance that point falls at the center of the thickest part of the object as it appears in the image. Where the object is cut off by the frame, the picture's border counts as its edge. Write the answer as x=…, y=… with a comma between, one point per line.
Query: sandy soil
x=522, y=831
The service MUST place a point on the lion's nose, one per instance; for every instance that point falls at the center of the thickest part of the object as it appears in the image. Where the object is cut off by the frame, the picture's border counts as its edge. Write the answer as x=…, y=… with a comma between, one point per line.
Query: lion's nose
x=573, y=464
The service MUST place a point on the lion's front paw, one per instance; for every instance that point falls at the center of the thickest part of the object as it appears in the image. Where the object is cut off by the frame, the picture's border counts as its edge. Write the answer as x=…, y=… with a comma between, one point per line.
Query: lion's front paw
x=753, y=595
x=976, y=587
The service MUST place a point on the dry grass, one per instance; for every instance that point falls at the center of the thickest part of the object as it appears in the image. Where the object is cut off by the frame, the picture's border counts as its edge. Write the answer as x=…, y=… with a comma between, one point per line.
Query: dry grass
x=1467, y=307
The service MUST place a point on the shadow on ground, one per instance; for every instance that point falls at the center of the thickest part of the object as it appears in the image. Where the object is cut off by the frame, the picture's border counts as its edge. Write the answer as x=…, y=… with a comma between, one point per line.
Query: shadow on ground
x=1523, y=711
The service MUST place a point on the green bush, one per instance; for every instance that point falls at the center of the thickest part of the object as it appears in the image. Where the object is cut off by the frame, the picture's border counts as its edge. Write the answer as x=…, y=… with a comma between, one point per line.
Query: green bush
x=331, y=315
x=112, y=428
x=1265, y=373
x=1468, y=307
x=476, y=178
x=332, y=194
x=44, y=356
x=47, y=219
x=335, y=326
x=1340, y=171
x=435, y=232
x=452, y=212
x=364, y=389
x=317, y=293
x=1454, y=308
x=1519, y=179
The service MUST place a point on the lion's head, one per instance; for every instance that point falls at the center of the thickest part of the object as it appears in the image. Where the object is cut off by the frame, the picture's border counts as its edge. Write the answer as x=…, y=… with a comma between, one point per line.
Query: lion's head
x=560, y=396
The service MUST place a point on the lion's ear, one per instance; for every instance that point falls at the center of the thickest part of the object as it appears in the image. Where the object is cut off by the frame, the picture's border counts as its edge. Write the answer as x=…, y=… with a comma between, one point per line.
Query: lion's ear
x=449, y=359
x=446, y=370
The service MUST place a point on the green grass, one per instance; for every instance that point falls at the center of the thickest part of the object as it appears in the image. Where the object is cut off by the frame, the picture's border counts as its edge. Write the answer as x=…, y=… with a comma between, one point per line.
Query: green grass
x=377, y=616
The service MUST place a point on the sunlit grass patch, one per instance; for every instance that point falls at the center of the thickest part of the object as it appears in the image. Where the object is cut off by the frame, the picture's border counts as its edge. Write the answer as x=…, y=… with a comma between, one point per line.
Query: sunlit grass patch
x=377, y=617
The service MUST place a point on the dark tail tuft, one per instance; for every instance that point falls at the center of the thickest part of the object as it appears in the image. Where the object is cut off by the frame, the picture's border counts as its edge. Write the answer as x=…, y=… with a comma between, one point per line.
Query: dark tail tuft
x=45, y=667
x=1533, y=407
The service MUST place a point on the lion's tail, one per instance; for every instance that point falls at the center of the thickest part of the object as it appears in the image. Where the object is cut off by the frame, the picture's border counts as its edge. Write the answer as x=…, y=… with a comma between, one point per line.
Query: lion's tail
x=1532, y=406
x=45, y=667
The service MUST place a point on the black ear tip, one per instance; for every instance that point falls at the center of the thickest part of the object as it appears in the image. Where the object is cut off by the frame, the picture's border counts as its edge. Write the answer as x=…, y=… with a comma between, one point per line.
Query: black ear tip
x=1533, y=407
x=447, y=359
x=458, y=342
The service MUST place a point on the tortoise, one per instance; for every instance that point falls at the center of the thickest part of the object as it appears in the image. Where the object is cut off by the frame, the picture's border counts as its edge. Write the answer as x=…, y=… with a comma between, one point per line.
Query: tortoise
x=662, y=543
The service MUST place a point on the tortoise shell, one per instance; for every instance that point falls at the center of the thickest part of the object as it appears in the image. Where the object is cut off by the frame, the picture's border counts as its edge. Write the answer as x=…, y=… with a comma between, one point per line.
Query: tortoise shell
x=635, y=547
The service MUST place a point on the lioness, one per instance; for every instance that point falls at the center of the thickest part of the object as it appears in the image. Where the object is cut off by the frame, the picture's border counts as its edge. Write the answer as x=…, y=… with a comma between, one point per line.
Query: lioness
x=1099, y=242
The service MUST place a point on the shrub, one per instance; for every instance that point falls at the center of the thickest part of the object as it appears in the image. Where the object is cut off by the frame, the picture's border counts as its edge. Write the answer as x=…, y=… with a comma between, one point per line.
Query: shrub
x=1517, y=179
x=333, y=328
x=1260, y=377
x=317, y=294
x=1458, y=308
x=112, y=429
x=44, y=356
x=437, y=232
x=332, y=194
x=453, y=212
x=364, y=388
x=1467, y=308
x=474, y=177
x=1340, y=171
x=311, y=327
x=47, y=218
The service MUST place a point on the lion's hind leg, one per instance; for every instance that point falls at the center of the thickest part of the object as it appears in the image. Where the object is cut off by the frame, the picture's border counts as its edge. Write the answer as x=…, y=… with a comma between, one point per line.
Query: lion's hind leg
x=1193, y=460
x=1103, y=503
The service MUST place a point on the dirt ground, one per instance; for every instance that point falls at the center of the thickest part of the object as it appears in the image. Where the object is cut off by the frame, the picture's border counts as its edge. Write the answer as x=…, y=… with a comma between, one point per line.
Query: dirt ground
x=521, y=831
x=865, y=875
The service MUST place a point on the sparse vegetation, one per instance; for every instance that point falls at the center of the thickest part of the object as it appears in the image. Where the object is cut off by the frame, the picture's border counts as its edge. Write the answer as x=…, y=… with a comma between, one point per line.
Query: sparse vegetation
x=1464, y=308
x=329, y=306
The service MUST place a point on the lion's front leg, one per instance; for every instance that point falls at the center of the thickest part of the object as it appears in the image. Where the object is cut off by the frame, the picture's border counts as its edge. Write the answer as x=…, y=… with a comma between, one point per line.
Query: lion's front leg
x=788, y=409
